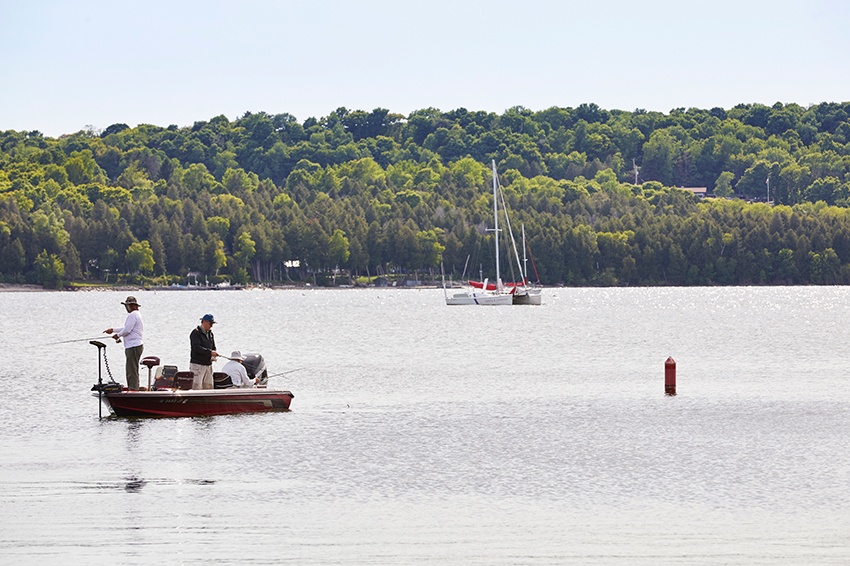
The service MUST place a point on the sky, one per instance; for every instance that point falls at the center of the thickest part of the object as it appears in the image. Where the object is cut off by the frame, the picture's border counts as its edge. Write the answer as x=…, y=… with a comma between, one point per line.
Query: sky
x=69, y=65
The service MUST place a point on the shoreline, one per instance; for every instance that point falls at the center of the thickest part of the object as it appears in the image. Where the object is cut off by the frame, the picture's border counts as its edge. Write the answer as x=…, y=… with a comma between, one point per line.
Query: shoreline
x=15, y=287
x=23, y=288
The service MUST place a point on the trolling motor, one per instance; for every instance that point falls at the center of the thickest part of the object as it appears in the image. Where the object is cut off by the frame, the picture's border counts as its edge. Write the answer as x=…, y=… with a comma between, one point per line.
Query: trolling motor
x=100, y=386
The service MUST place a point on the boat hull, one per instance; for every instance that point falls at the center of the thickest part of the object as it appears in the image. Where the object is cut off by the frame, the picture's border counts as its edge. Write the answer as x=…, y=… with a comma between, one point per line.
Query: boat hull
x=196, y=402
x=483, y=298
x=528, y=297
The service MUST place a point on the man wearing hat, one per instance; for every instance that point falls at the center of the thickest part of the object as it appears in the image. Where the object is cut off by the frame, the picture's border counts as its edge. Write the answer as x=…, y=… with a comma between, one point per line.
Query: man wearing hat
x=131, y=332
x=237, y=372
x=203, y=353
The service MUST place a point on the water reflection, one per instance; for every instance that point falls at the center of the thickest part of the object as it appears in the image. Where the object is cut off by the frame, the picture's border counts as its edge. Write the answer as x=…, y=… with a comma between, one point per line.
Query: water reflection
x=130, y=484
x=134, y=484
x=165, y=440
x=134, y=427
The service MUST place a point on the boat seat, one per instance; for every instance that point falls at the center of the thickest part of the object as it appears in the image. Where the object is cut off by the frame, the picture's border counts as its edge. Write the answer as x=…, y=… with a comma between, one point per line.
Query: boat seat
x=150, y=362
x=165, y=377
x=184, y=380
x=221, y=380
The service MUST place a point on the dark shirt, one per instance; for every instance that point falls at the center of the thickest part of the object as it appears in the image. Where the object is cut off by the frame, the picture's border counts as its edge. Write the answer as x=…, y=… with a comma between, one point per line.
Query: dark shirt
x=203, y=344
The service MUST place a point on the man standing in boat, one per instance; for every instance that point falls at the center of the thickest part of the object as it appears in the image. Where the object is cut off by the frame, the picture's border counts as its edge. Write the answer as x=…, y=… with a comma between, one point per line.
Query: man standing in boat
x=203, y=353
x=131, y=332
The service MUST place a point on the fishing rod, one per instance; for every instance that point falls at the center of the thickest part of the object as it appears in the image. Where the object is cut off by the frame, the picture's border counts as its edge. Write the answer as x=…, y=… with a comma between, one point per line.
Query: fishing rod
x=79, y=340
x=285, y=372
x=223, y=357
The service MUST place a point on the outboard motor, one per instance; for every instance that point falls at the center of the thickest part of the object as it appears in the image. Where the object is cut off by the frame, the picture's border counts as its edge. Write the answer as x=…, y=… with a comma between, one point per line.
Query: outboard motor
x=256, y=367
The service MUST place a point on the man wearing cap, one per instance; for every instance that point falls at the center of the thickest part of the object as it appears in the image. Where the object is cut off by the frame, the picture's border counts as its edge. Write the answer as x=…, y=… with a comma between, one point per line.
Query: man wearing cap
x=131, y=332
x=203, y=353
x=237, y=372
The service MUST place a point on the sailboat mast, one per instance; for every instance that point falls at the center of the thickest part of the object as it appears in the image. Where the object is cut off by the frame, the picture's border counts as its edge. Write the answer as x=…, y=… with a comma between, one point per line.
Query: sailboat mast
x=524, y=269
x=511, y=234
x=496, y=228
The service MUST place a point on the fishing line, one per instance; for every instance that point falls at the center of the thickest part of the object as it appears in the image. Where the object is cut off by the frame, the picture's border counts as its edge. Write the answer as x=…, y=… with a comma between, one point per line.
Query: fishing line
x=284, y=372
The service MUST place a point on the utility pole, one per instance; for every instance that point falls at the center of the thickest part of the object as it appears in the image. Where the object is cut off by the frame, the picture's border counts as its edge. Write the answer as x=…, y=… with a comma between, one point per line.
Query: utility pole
x=636, y=168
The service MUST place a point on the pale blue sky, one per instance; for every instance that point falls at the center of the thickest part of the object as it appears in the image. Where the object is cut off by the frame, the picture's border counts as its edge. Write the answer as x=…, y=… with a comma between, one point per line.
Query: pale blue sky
x=68, y=64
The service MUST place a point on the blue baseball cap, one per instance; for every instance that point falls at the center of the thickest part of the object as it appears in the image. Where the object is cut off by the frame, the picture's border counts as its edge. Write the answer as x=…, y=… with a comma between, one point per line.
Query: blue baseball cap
x=209, y=318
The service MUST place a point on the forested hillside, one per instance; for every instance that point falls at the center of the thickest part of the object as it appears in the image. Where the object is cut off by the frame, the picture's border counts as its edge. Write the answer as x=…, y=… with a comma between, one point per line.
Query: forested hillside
x=376, y=192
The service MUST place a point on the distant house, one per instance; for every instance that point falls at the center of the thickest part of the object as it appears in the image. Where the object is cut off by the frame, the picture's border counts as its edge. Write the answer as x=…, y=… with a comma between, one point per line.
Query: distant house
x=701, y=192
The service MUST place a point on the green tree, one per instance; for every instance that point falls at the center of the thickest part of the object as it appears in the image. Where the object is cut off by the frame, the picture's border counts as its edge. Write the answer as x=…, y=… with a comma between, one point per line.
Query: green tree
x=197, y=178
x=338, y=248
x=139, y=257
x=49, y=270
x=428, y=249
x=13, y=259
x=219, y=226
x=723, y=185
x=659, y=155
x=71, y=259
x=244, y=249
x=216, y=257
x=238, y=182
x=826, y=189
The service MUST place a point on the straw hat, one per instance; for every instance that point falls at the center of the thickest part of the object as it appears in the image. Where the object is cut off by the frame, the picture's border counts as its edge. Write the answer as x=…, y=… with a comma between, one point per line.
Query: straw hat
x=131, y=301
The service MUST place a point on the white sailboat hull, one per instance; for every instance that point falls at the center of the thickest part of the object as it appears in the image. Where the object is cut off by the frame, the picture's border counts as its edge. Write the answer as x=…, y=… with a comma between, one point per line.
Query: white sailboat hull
x=533, y=296
x=479, y=298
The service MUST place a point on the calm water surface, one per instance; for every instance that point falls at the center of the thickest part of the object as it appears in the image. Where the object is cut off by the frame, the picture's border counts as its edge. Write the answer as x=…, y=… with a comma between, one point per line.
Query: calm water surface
x=422, y=433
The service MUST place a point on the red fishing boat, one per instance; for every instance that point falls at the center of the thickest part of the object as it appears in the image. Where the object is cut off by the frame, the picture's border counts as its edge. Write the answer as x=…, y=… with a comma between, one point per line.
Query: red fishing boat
x=195, y=402
x=170, y=394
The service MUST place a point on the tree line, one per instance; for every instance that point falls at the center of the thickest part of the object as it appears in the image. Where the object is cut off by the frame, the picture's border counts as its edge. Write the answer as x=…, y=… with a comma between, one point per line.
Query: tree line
x=266, y=198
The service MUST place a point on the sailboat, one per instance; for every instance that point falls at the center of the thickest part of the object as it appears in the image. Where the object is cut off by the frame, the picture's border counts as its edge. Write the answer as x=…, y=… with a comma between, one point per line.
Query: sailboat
x=498, y=293
x=527, y=293
x=485, y=293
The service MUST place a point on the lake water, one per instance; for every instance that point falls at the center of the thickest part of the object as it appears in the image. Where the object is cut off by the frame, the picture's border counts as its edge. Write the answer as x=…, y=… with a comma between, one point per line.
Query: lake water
x=422, y=433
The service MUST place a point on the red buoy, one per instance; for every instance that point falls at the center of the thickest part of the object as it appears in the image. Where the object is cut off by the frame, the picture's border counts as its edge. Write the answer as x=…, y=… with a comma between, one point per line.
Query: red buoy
x=670, y=376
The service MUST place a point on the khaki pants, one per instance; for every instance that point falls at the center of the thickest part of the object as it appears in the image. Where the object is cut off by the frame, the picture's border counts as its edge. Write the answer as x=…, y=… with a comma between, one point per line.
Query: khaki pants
x=203, y=376
x=133, y=355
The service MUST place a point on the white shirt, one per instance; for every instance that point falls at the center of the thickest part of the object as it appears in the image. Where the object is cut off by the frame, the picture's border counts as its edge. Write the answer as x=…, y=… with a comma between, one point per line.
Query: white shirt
x=131, y=332
x=238, y=374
